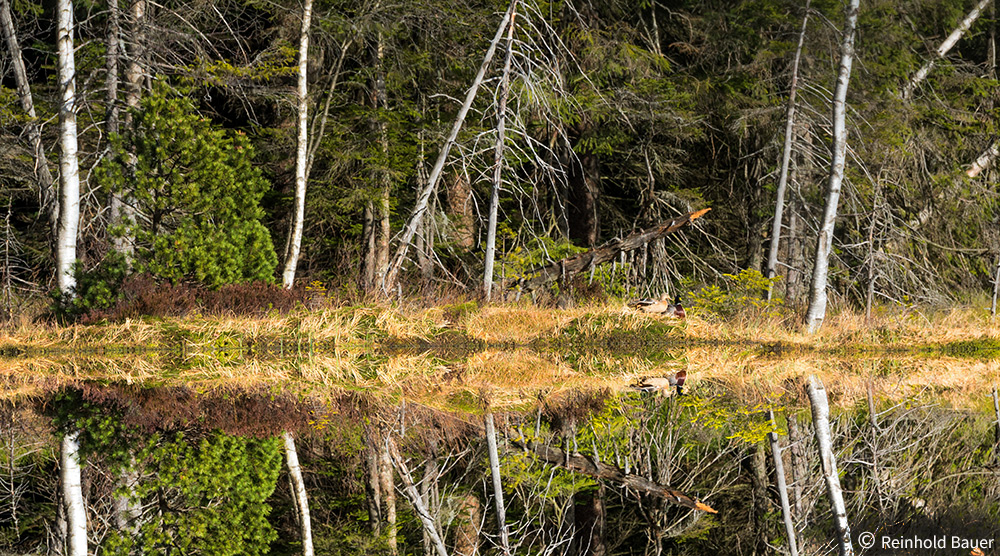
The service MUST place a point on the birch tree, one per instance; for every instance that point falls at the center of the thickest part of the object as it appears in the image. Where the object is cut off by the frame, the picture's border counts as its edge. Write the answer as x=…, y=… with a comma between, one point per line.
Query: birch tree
x=69, y=168
x=779, y=473
x=298, y=485
x=786, y=156
x=298, y=216
x=72, y=495
x=824, y=241
x=491, y=443
x=943, y=49
x=498, y=160
x=821, y=424
x=42, y=172
x=417, y=215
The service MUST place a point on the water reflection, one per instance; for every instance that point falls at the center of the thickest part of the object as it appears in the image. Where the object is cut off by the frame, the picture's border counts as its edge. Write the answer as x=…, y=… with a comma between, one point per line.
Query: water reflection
x=183, y=450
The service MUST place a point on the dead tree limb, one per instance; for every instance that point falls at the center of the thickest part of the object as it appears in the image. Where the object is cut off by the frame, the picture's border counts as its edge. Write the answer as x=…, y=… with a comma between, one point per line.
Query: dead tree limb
x=566, y=268
x=593, y=468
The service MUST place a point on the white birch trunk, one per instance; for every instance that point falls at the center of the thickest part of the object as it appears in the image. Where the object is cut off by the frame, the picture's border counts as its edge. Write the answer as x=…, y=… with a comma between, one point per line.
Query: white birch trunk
x=491, y=443
x=984, y=160
x=69, y=168
x=947, y=45
x=416, y=217
x=821, y=424
x=786, y=157
x=299, y=486
x=298, y=216
x=72, y=495
x=410, y=491
x=491, y=230
x=996, y=290
x=824, y=242
x=43, y=174
x=779, y=472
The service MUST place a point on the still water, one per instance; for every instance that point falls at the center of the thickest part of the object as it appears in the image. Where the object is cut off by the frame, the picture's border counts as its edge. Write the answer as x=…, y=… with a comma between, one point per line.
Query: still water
x=182, y=450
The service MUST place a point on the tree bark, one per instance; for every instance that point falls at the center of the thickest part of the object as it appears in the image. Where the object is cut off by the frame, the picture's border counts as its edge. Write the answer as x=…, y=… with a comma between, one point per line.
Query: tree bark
x=779, y=473
x=460, y=212
x=584, y=191
x=821, y=424
x=302, y=102
x=491, y=229
x=421, y=205
x=46, y=189
x=373, y=488
x=388, y=488
x=467, y=530
x=299, y=487
x=786, y=157
x=824, y=241
x=947, y=45
x=996, y=290
x=72, y=495
x=566, y=268
x=69, y=166
x=984, y=160
x=589, y=518
x=491, y=443
x=798, y=463
x=134, y=76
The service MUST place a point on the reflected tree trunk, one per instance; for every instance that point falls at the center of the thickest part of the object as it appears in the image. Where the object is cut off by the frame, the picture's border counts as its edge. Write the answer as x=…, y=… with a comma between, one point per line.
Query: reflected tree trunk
x=388, y=489
x=469, y=518
x=589, y=517
x=779, y=473
x=72, y=496
x=373, y=483
x=491, y=443
x=299, y=493
x=821, y=424
x=410, y=491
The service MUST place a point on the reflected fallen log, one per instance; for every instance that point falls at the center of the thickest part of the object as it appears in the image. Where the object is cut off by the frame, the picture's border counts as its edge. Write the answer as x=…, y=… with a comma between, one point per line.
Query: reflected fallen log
x=565, y=269
x=587, y=466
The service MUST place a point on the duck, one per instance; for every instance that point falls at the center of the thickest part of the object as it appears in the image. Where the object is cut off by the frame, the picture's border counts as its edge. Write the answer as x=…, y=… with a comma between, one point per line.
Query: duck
x=663, y=383
x=660, y=306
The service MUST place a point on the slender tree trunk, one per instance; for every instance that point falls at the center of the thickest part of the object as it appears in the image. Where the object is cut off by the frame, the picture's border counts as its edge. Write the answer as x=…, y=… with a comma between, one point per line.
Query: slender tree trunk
x=589, y=517
x=786, y=157
x=491, y=229
x=583, y=180
x=299, y=488
x=388, y=488
x=944, y=48
x=428, y=494
x=460, y=212
x=410, y=491
x=491, y=443
x=824, y=242
x=69, y=168
x=421, y=205
x=382, y=224
x=46, y=189
x=779, y=473
x=373, y=483
x=996, y=425
x=116, y=205
x=72, y=495
x=368, y=265
x=468, y=521
x=797, y=461
x=127, y=507
x=984, y=160
x=794, y=251
x=302, y=101
x=821, y=424
x=996, y=290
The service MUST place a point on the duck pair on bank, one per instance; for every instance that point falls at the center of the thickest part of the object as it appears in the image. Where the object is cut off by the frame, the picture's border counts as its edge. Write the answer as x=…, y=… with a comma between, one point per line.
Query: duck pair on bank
x=663, y=383
x=660, y=306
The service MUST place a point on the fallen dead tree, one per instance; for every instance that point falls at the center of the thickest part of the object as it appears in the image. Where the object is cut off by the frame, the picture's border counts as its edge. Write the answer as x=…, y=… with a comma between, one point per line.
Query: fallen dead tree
x=565, y=269
x=594, y=468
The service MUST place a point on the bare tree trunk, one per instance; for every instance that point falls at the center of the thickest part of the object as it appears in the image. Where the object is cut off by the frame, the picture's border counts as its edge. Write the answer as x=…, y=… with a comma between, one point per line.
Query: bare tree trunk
x=134, y=76
x=298, y=485
x=382, y=224
x=421, y=205
x=72, y=495
x=410, y=491
x=984, y=160
x=69, y=166
x=996, y=428
x=46, y=190
x=302, y=101
x=589, y=517
x=779, y=473
x=368, y=265
x=373, y=483
x=996, y=290
x=824, y=242
x=794, y=257
x=491, y=229
x=797, y=461
x=460, y=212
x=467, y=531
x=944, y=48
x=491, y=443
x=821, y=424
x=112, y=56
x=127, y=507
x=388, y=488
x=786, y=157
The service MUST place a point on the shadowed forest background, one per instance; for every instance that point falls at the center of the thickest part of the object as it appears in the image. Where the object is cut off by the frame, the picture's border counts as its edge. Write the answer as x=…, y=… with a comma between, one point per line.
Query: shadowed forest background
x=605, y=118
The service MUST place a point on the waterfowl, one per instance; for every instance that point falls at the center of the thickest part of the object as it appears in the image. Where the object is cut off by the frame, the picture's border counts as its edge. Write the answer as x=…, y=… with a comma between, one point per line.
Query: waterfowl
x=660, y=306
x=663, y=383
